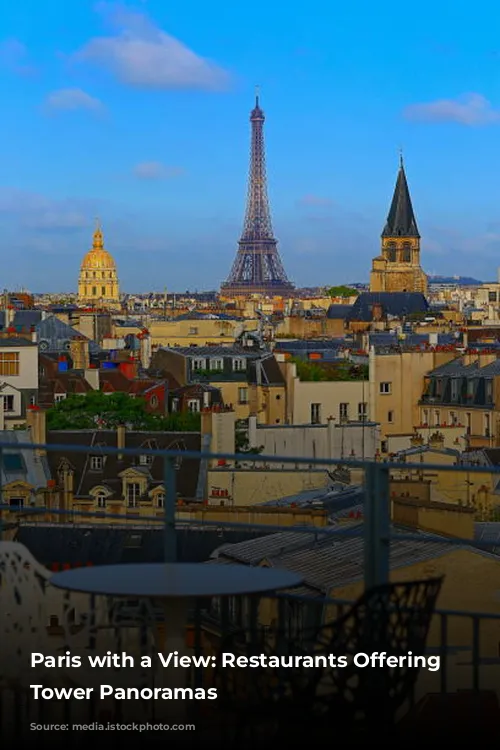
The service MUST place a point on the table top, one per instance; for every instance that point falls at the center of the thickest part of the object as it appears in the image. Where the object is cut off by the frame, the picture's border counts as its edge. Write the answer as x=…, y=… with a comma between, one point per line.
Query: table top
x=174, y=580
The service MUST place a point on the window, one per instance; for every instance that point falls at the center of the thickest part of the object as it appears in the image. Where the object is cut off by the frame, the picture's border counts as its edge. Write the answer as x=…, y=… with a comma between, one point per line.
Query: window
x=9, y=363
x=436, y=418
x=362, y=411
x=391, y=252
x=216, y=364
x=96, y=463
x=390, y=416
x=160, y=500
x=344, y=412
x=468, y=422
x=383, y=446
x=453, y=418
x=487, y=426
x=406, y=252
x=489, y=391
x=16, y=502
x=425, y=416
x=175, y=404
x=94, y=290
x=385, y=388
x=239, y=364
x=492, y=296
x=32, y=400
x=133, y=493
x=199, y=364
x=101, y=499
x=8, y=403
x=59, y=397
x=146, y=460
x=454, y=389
x=103, y=291
x=153, y=401
x=243, y=395
x=193, y=405
x=315, y=413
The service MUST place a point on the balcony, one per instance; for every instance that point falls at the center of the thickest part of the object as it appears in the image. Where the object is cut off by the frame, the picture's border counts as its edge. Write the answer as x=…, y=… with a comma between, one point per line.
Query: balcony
x=358, y=551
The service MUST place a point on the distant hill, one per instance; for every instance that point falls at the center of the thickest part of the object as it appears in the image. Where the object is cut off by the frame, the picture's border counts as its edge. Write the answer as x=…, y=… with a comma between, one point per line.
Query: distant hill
x=458, y=280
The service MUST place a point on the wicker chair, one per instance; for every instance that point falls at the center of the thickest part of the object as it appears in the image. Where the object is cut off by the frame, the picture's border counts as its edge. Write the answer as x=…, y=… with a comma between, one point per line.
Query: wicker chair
x=308, y=702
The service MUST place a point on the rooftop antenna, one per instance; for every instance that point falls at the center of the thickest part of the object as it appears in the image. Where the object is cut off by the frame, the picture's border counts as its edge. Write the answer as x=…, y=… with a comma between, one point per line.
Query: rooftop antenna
x=401, y=164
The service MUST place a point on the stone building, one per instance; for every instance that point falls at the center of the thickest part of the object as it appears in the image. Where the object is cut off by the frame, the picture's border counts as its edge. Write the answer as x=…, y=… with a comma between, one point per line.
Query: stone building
x=397, y=268
x=98, y=281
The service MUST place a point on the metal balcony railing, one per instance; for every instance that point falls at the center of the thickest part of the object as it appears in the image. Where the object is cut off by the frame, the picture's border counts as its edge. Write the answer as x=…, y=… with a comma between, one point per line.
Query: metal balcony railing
x=375, y=530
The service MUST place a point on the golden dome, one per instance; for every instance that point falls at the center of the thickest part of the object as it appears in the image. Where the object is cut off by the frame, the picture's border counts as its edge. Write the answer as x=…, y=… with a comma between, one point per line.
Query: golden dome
x=98, y=258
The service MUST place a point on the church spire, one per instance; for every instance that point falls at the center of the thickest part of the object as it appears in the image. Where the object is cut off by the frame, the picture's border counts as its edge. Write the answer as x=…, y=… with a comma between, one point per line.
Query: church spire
x=98, y=242
x=401, y=220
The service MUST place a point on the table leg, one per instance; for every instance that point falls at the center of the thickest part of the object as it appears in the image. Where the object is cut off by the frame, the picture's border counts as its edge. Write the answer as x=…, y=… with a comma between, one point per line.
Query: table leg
x=174, y=640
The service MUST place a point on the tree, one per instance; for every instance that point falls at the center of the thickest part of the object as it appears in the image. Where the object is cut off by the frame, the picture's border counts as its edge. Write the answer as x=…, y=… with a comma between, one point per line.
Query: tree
x=98, y=410
x=341, y=291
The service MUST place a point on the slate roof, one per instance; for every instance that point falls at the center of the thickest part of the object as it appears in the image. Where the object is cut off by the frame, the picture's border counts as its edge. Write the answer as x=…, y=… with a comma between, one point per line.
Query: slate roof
x=15, y=342
x=22, y=465
x=327, y=562
x=114, y=544
x=338, y=312
x=396, y=304
x=54, y=336
x=401, y=220
x=85, y=478
x=215, y=351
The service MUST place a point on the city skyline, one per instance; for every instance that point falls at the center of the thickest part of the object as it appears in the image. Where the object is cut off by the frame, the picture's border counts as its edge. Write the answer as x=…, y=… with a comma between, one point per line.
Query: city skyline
x=140, y=115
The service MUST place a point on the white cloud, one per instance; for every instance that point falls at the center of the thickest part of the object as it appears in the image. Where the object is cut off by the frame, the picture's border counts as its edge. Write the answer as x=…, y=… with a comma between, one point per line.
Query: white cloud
x=34, y=211
x=470, y=109
x=14, y=56
x=142, y=55
x=315, y=200
x=72, y=99
x=155, y=170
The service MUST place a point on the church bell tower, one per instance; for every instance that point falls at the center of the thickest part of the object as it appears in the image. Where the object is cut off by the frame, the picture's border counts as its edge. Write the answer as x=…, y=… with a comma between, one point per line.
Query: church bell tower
x=397, y=268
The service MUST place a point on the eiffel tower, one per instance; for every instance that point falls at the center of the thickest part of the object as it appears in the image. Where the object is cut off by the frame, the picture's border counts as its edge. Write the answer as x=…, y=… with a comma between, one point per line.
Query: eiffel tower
x=257, y=268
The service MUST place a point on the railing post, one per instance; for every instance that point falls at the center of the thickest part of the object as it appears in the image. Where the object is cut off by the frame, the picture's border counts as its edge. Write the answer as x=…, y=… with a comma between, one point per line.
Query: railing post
x=376, y=525
x=170, y=505
x=2, y=510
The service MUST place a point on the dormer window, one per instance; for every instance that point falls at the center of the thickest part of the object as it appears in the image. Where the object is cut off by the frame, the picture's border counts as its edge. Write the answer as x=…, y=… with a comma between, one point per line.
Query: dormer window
x=96, y=463
x=216, y=364
x=160, y=500
x=146, y=460
x=239, y=364
x=199, y=364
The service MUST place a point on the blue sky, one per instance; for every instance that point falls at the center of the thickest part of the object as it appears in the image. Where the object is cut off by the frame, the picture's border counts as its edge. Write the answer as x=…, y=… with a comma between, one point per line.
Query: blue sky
x=139, y=114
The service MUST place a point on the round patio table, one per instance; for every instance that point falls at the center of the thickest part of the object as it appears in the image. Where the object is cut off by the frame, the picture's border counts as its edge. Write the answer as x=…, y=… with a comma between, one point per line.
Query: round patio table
x=176, y=585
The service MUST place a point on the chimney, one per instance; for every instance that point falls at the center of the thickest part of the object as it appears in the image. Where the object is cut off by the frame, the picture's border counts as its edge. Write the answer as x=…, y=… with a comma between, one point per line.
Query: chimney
x=416, y=440
x=470, y=357
x=436, y=441
x=34, y=335
x=36, y=421
x=145, y=349
x=80, y=354
x=121, y=439
x=487, y=357
x=92, y=377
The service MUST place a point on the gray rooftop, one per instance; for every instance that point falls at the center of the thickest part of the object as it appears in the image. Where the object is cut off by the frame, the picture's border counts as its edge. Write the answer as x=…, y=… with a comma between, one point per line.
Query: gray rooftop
x=22, y=465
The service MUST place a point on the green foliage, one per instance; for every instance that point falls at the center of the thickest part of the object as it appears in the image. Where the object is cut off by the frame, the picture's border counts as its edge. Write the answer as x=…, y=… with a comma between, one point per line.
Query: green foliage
x=341, y=291
x=93, y=409
x=314, y=372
